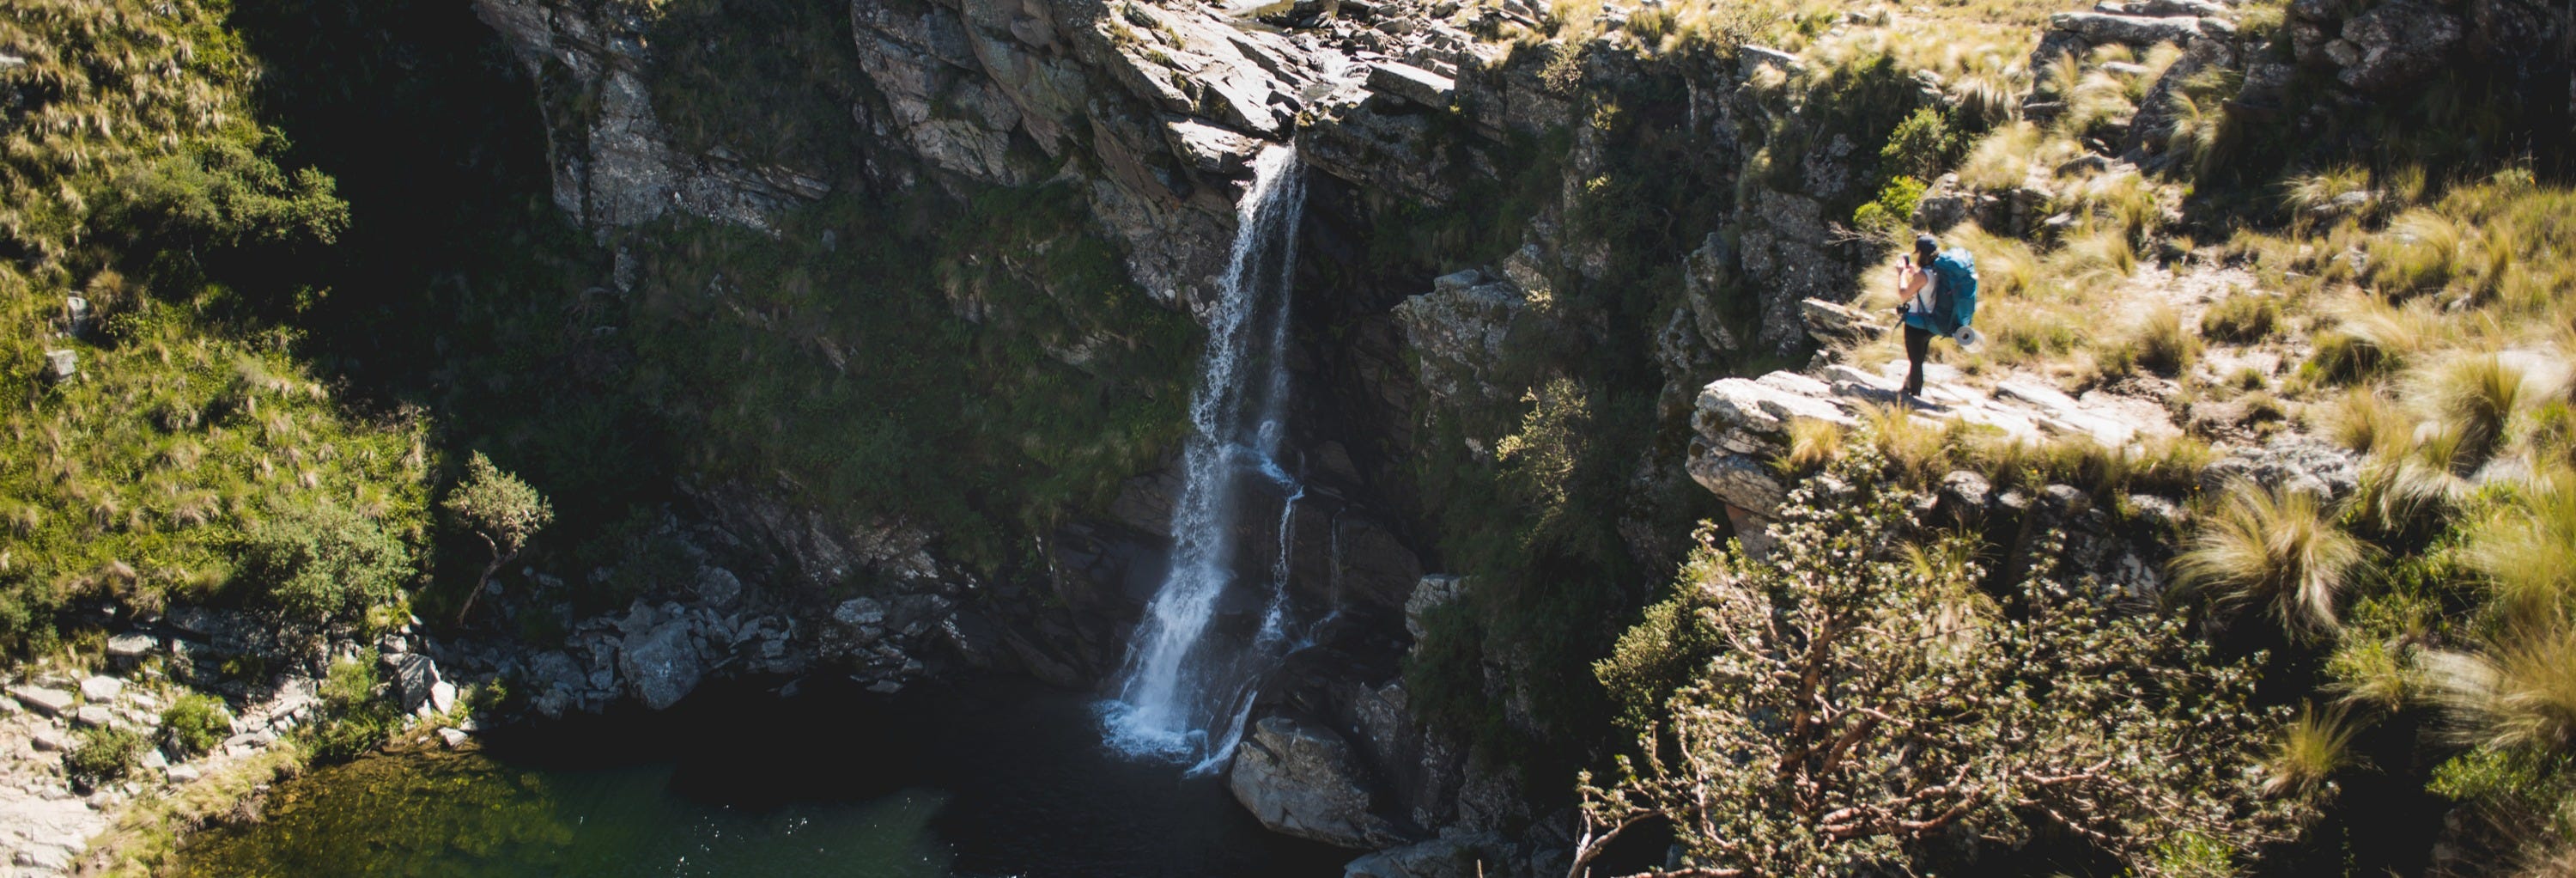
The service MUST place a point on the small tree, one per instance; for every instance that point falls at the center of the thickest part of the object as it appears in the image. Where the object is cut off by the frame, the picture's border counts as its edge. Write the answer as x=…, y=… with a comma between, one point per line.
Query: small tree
x=1853, y=702
x=502, y=510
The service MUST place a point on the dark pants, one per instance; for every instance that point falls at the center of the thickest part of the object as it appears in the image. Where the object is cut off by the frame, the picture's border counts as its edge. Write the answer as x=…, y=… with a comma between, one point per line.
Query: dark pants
x=1918, y=344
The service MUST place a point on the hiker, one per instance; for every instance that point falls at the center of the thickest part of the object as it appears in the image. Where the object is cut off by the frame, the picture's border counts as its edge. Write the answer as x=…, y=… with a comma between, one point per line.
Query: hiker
x=1939, y=290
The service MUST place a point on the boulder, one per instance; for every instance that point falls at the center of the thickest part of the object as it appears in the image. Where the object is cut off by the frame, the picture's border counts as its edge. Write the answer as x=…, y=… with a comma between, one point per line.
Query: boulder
x=2395, y=44
x=718, y=587
x=1300, y=779
x=93, y=716
x=2289, y=463
x=860, y=613
x=2135, y=30
x=1827, y=321
x=1942, y=211
x=131, y=646
x=1471, y=855
x=1211, y=149
x=2168, y=8
x=101, y=688
x=1413, y=84
x=1742, y=480
x=1460, y=330
x=48, y=739
x=660, y=665
x=1431, y=591
x=411, y=677
x=50, y=702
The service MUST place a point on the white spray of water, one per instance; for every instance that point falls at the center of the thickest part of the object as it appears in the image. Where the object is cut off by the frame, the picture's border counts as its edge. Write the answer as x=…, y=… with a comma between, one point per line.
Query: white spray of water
x=1182, y=693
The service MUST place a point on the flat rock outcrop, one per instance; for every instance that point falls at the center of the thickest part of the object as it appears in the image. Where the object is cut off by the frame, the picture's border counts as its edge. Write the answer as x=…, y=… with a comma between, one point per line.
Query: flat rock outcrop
x=1301, y=779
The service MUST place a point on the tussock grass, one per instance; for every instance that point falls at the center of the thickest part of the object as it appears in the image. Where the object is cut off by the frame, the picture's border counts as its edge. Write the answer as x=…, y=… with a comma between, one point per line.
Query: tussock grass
x=2003, y=159
x=1917, y=450
x=2279, y=549
x=2311, y=198
x=2242, y=318
x=1812, y=444
x=2526, y=549
x=2472, y=397
x=2308, y=753
x=2422, y=252
x=2367, y=421
x=2372, y=336
x=2520, y=692
x=2161, y=343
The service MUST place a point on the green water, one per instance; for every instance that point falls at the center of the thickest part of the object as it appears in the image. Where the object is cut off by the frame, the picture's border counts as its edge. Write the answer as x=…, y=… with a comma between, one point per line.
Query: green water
x=469, y=815
x=996, y=777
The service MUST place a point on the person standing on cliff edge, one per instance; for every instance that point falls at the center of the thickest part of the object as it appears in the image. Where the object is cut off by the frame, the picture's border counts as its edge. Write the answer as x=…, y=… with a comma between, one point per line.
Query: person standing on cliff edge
x=1938, y=290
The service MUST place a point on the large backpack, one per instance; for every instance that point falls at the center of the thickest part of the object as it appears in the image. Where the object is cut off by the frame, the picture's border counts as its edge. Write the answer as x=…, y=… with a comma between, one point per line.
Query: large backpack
x=1957, y=302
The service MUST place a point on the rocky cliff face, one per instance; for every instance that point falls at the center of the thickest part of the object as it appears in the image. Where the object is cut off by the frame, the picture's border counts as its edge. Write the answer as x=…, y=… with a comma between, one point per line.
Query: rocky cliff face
x=1480, y=230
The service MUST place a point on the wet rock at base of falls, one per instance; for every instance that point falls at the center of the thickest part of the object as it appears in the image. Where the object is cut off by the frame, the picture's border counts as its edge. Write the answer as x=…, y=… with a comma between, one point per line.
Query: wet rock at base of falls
x=1301, y=779
x=660, y=665
x=1432, y=591
x=718, y=587
x=1469, y=855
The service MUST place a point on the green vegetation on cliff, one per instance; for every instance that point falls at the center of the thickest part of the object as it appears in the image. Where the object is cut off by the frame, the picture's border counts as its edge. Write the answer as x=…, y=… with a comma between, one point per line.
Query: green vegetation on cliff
x=141, y=183
x=2400, y=282
x=318, y=264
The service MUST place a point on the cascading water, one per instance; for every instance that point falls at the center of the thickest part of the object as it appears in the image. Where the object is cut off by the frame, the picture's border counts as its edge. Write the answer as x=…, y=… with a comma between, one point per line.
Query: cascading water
x=1185, y=690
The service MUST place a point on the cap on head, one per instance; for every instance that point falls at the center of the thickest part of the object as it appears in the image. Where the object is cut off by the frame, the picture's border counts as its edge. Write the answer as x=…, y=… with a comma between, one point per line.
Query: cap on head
x=1925, y=246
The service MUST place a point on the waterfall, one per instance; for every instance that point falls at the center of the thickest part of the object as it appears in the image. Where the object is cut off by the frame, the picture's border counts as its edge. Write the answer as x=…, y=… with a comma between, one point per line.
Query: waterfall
x=1185, y=689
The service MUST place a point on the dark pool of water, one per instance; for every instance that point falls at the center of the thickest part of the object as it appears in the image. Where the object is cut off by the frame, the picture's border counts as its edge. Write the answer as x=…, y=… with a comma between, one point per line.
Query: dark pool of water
x=993, y=777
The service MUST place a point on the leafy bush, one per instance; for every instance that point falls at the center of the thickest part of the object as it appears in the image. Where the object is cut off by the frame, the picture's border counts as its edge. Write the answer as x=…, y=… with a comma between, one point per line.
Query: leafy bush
x=354, y=720
x=1893, y=212
x=1823, y=722
x=105, y=754
x=195, y=723
x=322, y=561
x=1920, y=147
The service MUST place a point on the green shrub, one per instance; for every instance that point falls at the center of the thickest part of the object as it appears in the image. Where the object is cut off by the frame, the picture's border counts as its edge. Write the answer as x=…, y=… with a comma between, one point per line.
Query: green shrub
x=349, y=684
x=1844, y=674
x=1893, y=212
x=1920, y=147
x=353, y=720
x=321, y=561
x=195, y=723
x=105, y=754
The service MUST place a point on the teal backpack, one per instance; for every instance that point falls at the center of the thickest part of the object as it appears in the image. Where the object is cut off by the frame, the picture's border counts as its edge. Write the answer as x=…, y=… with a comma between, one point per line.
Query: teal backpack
x=1957, y=302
